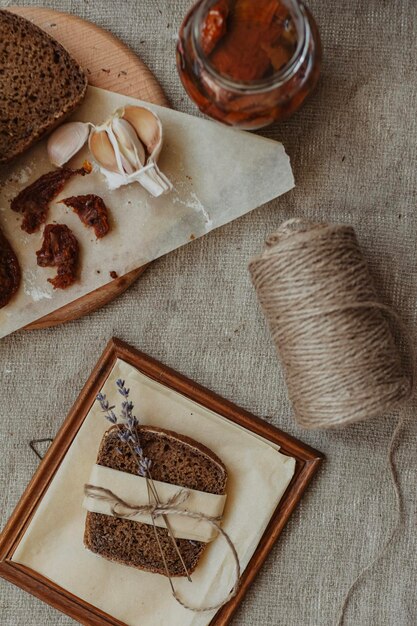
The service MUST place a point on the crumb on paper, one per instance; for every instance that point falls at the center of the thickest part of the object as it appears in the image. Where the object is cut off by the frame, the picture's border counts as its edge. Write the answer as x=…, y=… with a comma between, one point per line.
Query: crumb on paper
x=192, y=237
x=33, y=290
x=198, y=206
x=194, y=202
x=106, y=71
x=114, y=274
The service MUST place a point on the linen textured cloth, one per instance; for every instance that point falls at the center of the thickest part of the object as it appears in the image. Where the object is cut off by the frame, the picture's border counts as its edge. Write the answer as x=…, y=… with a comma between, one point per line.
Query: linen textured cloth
x=353, y=149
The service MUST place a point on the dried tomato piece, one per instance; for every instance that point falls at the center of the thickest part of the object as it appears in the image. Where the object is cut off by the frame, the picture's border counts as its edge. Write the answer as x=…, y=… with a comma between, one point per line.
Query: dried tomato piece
x=33, y=201
x=214, y=26
x=239, y=56
x=92, y=212
x=59, y=249
x=10, y=274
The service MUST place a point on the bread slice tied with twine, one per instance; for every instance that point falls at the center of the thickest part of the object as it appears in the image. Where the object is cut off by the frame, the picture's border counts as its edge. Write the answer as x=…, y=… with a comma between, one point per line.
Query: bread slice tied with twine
x=40, y=84
x=177, y=460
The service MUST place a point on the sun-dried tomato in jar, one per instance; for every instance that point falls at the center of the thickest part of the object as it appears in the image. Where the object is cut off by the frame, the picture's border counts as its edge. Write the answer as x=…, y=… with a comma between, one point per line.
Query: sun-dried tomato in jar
x=248, y=63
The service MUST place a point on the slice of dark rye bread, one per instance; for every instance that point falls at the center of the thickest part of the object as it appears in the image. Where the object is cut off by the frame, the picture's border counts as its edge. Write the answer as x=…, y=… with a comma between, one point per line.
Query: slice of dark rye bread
x=40, y=84
x=176, y=459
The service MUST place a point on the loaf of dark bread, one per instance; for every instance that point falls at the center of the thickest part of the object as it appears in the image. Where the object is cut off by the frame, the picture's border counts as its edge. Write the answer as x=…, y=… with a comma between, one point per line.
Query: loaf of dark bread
x=176, y=460
x=40, y=84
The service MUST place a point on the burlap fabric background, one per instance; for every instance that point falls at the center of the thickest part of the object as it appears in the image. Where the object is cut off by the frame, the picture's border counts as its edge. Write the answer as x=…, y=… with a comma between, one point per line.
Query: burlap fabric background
x=353, y=149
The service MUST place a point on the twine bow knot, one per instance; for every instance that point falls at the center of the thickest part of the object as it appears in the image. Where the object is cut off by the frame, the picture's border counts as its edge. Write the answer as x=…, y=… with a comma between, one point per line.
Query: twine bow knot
x=122, y=509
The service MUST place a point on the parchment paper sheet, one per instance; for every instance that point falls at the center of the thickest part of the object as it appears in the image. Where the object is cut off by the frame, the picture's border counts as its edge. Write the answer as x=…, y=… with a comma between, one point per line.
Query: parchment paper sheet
x=258, y=475
x=218, y=175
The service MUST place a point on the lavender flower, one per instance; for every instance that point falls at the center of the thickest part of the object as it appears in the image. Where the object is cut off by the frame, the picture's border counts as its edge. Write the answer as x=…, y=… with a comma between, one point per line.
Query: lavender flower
x=132, y=422
x=106, y=408
x=111, y=416
x=145, y=463
x=127, y=408
x=121, y=388
x=124, y=435
x=128, y=426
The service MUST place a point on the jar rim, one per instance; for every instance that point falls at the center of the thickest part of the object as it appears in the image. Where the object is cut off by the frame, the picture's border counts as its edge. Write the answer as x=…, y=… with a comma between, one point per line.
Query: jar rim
x=280, y=77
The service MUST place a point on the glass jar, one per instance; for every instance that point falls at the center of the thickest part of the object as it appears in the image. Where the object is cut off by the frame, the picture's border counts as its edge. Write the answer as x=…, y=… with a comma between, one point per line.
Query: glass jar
x=249, y=63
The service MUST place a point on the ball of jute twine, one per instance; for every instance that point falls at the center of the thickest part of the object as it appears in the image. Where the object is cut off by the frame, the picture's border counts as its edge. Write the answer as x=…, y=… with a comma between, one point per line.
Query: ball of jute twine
x=332, y=332
x=334, y=337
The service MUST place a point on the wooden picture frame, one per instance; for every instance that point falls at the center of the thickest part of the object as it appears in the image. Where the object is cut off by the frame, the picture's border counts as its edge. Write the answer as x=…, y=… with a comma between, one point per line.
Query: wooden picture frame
x=307, y=463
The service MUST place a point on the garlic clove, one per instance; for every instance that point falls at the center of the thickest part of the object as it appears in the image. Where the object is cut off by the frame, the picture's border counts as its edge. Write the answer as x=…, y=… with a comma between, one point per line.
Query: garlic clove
x=147, y=126
x=113, y=165
x=128, y=168
x=66, y=141
x=102, y=150
x=129, y=143
x=123, y=165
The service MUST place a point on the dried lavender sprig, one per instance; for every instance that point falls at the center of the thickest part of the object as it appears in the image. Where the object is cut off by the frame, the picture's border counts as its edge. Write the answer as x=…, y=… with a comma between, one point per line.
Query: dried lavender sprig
x=130, y=436
x=106, y=408
x=121, y=388
x=127, y=431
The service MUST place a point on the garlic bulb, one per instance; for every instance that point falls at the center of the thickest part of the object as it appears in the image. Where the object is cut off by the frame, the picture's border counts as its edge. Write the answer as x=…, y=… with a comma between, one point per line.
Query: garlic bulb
x=126, y=148
x=66, y=141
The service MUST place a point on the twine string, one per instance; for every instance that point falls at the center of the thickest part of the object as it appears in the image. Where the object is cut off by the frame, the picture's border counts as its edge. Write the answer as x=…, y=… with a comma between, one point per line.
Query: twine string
x=335, y=338
x=331, y=330
x=394, y=531
x=126, y=510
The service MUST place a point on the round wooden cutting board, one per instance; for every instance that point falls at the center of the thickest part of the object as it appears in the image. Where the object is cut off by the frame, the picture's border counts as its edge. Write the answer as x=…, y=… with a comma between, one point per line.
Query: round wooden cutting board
x=111, y=65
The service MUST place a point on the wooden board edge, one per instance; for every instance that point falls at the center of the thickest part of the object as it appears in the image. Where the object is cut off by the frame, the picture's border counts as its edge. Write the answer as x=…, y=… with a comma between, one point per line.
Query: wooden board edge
x=102, y=297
